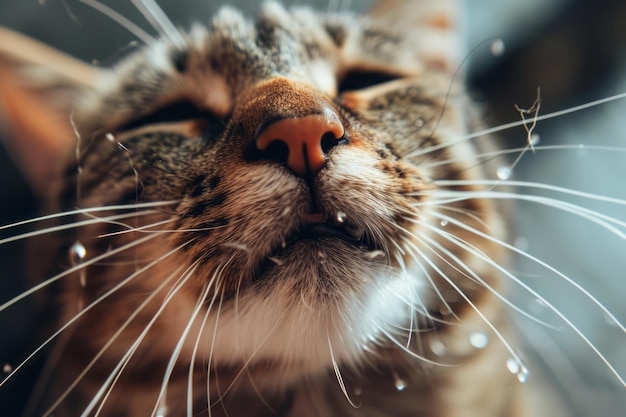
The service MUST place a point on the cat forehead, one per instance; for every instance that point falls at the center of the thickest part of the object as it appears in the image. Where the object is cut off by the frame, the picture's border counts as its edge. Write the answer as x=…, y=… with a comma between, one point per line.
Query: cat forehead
x=216, y=61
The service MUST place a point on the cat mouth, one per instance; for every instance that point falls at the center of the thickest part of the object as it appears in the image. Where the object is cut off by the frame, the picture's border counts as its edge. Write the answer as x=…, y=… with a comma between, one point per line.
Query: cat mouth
x=316, y=232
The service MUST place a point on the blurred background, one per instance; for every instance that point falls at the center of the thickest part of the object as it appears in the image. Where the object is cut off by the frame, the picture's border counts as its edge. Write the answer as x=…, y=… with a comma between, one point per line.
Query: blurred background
x=574, y=50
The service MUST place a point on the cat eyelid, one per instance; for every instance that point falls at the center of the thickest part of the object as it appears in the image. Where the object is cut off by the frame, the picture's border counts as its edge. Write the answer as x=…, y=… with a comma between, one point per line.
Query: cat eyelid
x=180, y=113
x=361, y=79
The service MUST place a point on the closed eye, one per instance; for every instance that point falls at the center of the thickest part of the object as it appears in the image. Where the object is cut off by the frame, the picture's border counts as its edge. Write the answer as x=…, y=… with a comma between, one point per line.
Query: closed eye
x=181, y=112
x=362, y=79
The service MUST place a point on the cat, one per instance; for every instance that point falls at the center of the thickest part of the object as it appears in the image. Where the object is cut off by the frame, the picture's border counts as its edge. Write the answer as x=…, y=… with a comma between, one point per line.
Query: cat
x=220, y=262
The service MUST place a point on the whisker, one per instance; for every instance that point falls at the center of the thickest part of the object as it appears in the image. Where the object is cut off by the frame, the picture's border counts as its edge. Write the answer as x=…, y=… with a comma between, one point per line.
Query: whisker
x=600, y=219
x=94, y=220
x=489, y=131
x=108, y=385
x=342, y=385
x=539, y=297
x=532, y=258
x=528, y=184
x=159, y=20
x=114, y=337
x=179, y=347
x=501, y=152
x=121, y=20
x=216, y=276
x=75, y=268
x=89, y=210
x=89, y=307
x=472, y=275
x=469, y=302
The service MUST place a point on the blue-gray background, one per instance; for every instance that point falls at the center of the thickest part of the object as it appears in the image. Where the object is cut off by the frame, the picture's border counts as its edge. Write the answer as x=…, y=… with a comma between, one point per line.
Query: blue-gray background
x=575, y=50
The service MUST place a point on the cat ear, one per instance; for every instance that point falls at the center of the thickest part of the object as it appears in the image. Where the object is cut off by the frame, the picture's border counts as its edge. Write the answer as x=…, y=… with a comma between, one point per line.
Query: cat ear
x=38, y=86
x=436, y=27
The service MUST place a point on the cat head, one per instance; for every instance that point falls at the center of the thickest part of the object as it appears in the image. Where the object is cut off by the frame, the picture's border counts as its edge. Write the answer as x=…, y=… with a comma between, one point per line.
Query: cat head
x=281, y=176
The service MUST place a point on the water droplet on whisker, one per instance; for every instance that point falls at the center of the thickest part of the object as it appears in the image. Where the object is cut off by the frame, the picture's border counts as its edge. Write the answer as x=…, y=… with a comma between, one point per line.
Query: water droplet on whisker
x=109, y=136
x=77, y=253
x=513, y=365
x=518, y=369
x=497, y=47
x=504, y=172
x=479, y=340
x=522, y=375
x=341, y=217
x=443, y=223
x=399, y=383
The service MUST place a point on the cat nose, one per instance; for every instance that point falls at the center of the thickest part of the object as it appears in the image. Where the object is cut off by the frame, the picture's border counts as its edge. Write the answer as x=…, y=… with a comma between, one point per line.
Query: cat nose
x=303, y=142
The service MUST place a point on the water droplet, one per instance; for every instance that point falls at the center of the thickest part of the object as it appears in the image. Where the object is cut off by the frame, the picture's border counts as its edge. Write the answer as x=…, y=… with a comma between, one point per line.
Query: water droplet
x=479, y=340
x=341, y=217
x=497, y=47
x=77, y=253
x=522, y=375
x=513, y=365
x=437, y=347
x=504, y=172
x=109, y=136
x=582, y=150
x=7, y=368
x=162, y=410
x=535, y=139
x=358, y=391
x=518, y=369
x=41, y=2
x=420, y=122
x=399, y=383
x=283, y=244
x=443, y=223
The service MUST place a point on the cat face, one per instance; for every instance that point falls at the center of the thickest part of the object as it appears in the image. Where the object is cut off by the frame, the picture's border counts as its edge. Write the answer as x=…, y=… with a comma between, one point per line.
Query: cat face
x=299, y=252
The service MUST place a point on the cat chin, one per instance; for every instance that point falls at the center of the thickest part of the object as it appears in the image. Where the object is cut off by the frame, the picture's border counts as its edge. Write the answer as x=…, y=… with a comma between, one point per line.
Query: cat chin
x=305, y=325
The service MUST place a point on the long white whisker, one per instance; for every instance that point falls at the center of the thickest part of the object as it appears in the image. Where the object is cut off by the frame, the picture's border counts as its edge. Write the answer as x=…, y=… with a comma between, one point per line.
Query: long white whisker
x=86, y=309
x=506, y=126
x=459, y=291
x=470, y=274
x=342, y=385
x=159, y=20
x=109, y=383
x=123, y=21
x=215, y=278
x=112, y=339
x=179, y=346
x=74, y=269
x=95, y=220
x=593, y=216
x=526, y=184
x=551, y=307
x=501, y=152
x=89, y=210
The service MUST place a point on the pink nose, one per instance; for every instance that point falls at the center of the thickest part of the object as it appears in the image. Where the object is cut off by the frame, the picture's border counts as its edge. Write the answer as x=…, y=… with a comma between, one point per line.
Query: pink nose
x=308, y=139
